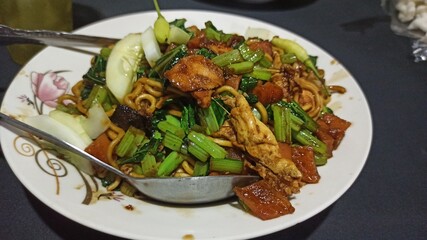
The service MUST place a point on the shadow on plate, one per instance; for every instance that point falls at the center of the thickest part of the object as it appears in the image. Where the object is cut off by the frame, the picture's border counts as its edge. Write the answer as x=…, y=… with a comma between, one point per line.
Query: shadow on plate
x=68, y=229
x=260, y=4
x=62, y=226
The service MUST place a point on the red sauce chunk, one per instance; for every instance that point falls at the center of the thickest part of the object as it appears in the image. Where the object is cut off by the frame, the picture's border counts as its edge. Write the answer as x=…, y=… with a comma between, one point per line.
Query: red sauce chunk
x=303, y=157
x=264, y=201
x=268, y=93
x=331, y=130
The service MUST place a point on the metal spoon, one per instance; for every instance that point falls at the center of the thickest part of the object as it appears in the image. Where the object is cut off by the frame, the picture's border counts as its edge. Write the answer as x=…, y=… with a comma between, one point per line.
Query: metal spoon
x=10, y=35
x=190, y=190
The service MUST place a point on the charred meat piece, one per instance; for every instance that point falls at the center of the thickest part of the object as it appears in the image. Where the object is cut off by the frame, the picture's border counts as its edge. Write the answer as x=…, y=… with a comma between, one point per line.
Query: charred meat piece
x=125, y=116
x=331, y=130
x=203, y=97
x=196, y=73
x=264, y=45
x=264, y=201
x=268, y=93
x=303, y=157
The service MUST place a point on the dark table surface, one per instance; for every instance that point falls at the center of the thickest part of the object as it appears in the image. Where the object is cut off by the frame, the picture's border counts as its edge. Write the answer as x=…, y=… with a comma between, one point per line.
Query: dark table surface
x=387, y=201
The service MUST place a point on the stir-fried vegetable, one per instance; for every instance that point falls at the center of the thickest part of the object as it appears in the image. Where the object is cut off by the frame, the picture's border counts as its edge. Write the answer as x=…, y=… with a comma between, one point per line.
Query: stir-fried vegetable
x=183, y=101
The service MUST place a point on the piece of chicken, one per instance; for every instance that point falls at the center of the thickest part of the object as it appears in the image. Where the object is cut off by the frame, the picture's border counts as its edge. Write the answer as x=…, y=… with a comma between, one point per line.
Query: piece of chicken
x=197, y=75
x=259, y=141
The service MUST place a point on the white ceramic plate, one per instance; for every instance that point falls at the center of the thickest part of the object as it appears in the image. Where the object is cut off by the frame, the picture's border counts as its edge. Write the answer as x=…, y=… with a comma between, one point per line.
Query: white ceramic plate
x=77, y=196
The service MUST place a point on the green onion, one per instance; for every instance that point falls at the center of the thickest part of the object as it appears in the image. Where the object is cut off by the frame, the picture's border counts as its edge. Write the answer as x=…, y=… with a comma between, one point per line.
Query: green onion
x=307, y=139
x=228, y=58
x=260, y=74
x=309, y=122
x=137, y=141
x=149, y=166
x=206, y=144
x=151, y=146
x=172, y=141
x=171, y=162
x=166, y=126
x=130, y=142
x=173, y=120
x=198, y=152
x=265, y=63
x=201, y=168
x=98, y=94
x=125, y=143
x=250, y=55
x=226, y=165
x=320, y=159
x=241, y=67
x=282, y=123
x=188, y=118
x=288, y=58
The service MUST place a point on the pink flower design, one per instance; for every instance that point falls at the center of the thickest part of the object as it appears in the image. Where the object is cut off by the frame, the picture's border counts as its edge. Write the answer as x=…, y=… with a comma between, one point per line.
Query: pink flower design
x=48, y=87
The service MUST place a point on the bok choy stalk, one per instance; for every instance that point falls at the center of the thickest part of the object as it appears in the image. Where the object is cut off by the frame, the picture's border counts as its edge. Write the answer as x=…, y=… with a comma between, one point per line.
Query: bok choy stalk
x=161, y=26
x=294, y=48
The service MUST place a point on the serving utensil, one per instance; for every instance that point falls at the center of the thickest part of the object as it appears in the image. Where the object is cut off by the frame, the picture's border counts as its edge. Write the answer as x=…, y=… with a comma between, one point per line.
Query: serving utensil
x=10, y=35
x=188, y=190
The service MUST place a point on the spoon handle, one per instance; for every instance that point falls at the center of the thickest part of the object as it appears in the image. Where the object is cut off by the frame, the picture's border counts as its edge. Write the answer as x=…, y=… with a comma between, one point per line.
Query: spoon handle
x=60, y=143
x=10, y=35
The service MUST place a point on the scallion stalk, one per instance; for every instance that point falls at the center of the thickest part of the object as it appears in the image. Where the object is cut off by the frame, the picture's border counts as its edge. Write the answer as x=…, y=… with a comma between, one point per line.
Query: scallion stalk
x=241, y=67
x=166, y=126
x=198, y=152
x=226, y=165
x=206, y=144
x=282, y=123
x=228, y=58
x=172, y=141
x=125, y=143
x=169, y=164
x=201, y=168
x=260, y=74
x=149, y=166
x=307, y=139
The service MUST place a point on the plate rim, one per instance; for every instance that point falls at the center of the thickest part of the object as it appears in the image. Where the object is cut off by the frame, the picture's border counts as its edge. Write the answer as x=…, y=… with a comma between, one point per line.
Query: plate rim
x=88, y=223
